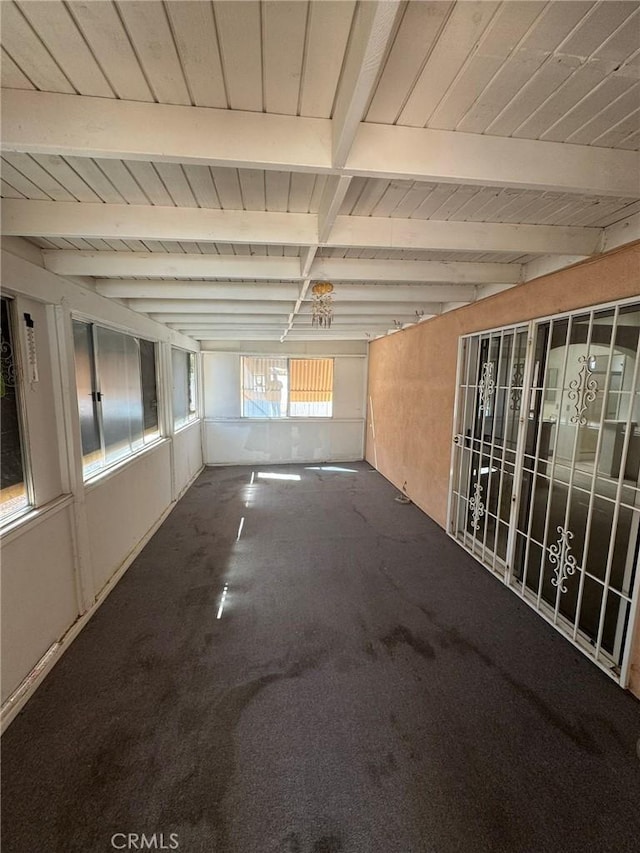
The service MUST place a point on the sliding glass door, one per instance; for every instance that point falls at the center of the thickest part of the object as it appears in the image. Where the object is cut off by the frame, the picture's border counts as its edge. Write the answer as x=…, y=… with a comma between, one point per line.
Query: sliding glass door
x=490, y=399
x=566, y=475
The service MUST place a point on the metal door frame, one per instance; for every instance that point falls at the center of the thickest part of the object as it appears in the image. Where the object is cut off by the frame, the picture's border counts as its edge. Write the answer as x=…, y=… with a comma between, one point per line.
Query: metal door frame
x=573, y=634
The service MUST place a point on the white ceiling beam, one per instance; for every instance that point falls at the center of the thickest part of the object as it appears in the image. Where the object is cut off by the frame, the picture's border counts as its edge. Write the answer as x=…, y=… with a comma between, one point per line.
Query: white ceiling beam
x=231, y=335
x=188, y=314
x=404, y=293
x=205, y=291
x=371, y=328
x=373, y=28
x=157, y=290
x=184, y=312
x=378, y=232
x=158, y=308
x=621, y=233
x=364, y=321
x=158, y=264
x=228, y=320
x=390, y=309
x=238, y=332
x=361, y=269
x=386, y=151
x=546, y=264
x=81, y=126
x=306, y=260
x=330, y=203
x=27, y=218
x=76, y=125
x=315, y=335
x=32, y=218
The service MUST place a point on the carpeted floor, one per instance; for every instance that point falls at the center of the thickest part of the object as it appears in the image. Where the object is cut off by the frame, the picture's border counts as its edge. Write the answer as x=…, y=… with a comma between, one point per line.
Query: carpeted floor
x=368, y=688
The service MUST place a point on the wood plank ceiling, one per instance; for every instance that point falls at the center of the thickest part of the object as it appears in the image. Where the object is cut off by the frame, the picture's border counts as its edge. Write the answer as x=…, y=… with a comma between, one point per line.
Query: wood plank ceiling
x=208, y=162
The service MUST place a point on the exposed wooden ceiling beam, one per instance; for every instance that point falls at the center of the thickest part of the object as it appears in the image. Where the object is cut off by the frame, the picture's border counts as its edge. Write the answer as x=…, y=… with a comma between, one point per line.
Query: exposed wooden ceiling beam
x=226, y=290
x=362, y=269
x=182, y=310
x=82, y=126
x=304, y=320
x=158, y=264
x=387, y=151
x=315, y=335
x=373, y=29
x=32, y=218
x=157, y=290
x=73, y=219
x=430, y=234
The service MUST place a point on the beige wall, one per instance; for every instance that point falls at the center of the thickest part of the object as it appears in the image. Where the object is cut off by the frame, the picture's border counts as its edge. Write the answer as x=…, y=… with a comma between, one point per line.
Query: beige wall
x=412, y=375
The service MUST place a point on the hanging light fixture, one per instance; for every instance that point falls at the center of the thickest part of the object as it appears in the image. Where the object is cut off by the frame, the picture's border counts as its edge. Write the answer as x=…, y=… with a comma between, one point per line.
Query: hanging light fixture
x=321, y=306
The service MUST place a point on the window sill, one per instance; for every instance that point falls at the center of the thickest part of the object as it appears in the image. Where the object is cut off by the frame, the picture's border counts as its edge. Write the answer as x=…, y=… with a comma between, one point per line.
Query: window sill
x=186, y=425
x=31, y=517
x=94, y=480
x=296, y=419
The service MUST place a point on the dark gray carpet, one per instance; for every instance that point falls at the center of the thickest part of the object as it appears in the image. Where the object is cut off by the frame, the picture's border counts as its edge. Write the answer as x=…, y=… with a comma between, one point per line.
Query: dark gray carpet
x=369, y=688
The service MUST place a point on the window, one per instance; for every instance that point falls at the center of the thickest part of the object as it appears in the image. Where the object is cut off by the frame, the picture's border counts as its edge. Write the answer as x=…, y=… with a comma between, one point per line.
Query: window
x=184, y=386
x=13, y=490
x=287, y=387
x=117, y=394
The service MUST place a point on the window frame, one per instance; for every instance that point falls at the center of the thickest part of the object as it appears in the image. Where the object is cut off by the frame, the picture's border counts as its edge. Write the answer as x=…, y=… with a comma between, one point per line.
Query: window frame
x=288, y=359
x=17, y=343
x=192, y=384
x=147, y=441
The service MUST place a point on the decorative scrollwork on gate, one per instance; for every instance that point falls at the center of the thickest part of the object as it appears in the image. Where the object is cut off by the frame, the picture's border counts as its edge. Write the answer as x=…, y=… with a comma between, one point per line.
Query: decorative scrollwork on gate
x=7, y=368
x=486, y=386
x=516, y=386
x=565, y=563
x=476, y=506
x=583, y=391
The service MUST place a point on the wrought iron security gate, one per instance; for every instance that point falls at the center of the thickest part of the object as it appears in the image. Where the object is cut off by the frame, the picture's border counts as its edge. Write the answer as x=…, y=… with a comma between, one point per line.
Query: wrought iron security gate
x=545, y=477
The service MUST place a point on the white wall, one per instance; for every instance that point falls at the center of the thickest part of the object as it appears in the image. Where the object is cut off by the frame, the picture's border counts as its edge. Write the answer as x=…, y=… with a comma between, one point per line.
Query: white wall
x=39, y=598
x=62, y=557
x=231, y=439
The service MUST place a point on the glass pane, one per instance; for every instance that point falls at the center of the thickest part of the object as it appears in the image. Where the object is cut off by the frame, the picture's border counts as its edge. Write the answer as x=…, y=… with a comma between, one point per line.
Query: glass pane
x=184, y=386
x=92, y=456
x=118, y=363
x=590, y=605
x=265, y=387
x=616, y=618
x=13, y=493
x=311, y=387
x=149, y=388
x=180, y=386
x=191, y=384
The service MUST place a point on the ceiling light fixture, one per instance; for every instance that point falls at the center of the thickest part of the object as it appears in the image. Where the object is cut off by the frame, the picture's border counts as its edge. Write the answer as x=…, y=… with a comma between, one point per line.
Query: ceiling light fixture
x=321, y=307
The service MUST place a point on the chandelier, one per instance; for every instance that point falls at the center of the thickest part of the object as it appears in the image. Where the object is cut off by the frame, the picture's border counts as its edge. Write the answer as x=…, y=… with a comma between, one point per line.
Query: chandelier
x=321, y=307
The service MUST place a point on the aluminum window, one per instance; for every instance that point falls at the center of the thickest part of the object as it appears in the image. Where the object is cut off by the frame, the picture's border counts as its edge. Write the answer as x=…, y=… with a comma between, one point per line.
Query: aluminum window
x=183, y=366
x=287, y=387
x=116, y=385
